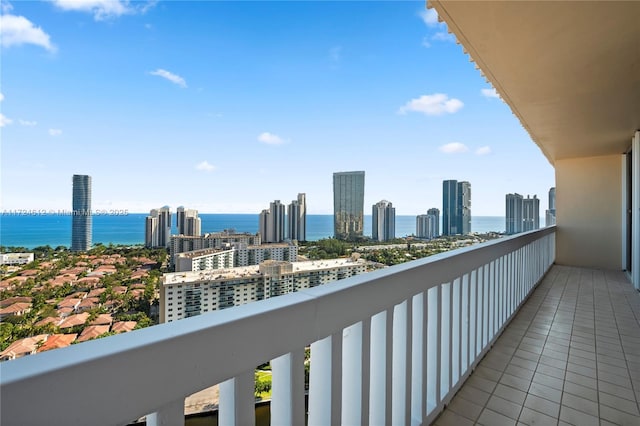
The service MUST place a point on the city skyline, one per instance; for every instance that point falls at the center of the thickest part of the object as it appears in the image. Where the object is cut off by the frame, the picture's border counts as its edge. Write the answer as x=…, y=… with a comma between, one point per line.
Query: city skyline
x=247, y=96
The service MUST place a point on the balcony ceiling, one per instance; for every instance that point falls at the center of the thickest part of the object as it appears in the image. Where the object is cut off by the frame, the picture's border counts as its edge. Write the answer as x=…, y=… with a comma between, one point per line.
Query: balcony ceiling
x=570, y=71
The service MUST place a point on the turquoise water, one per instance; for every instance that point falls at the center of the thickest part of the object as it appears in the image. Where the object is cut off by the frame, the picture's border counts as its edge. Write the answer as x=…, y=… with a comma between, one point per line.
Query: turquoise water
x=55, y=230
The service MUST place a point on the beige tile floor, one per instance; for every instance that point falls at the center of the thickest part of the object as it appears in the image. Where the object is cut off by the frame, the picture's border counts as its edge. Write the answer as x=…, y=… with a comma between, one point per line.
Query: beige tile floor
x=571, y=356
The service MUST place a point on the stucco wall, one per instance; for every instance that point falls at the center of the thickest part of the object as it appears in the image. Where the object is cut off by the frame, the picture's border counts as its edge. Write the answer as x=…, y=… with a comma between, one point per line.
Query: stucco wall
x=588, y=212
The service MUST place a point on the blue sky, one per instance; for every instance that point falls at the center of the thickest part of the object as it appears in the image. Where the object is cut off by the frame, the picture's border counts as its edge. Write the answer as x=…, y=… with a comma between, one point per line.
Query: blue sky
x=226, y=106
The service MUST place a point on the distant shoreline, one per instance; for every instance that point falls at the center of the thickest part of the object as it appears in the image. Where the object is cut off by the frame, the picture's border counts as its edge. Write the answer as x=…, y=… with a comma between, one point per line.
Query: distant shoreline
x=55, y=230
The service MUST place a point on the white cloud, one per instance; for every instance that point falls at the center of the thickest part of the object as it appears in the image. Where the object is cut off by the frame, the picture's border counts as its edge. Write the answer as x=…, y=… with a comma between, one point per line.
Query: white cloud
x=334, y=53
x=5, y=6
x=443, y=36
x=4, y=121
x=454, y=148
x=490, y=93
x=27, y=123
x=18, y=30
x=174, y=78
x=205, y=166
x=429, y=17
x=105, y=9
x=425, y=42
x=436, y=104
x=270, y=139
x=55, y=132
x=483, y=150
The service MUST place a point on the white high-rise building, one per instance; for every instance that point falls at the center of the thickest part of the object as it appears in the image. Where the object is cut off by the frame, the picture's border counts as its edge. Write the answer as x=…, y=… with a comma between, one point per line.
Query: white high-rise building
x=271, y=223
x=188, y=222
x=383, y=221
x=158, y=228
x=427, y=225
x=550, y=214
x=297, y=219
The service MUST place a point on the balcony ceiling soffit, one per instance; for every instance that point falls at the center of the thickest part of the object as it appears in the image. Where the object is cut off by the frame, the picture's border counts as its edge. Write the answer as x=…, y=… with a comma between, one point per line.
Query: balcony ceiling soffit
x=570, y=71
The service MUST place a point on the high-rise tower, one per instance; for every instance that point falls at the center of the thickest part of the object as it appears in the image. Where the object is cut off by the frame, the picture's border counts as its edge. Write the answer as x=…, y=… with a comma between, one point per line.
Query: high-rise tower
x=297, y=218
x=530, y=213
x=271, y=223
x=383, y=221
x=550, y=214
x=348, y=205
x=81, y=223
x=464, y=208
x=456, y=207
x=188, y=222
x=513, y=213
x=435, y=213
x=449, y=210
x=158, y=228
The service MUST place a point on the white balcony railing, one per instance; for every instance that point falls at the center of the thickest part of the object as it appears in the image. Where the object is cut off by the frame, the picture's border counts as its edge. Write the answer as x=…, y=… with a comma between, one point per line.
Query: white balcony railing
x=387, y=347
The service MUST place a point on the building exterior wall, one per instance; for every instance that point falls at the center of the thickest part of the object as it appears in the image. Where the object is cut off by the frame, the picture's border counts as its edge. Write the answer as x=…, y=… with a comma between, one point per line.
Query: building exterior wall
x=588, y=212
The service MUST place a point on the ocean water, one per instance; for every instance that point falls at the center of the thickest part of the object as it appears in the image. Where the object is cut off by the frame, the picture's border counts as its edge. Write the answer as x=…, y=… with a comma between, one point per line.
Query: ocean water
x=55, y=230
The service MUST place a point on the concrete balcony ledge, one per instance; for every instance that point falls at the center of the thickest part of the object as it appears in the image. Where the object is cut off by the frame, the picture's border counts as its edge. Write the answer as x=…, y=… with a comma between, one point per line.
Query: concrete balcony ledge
x=391, y=346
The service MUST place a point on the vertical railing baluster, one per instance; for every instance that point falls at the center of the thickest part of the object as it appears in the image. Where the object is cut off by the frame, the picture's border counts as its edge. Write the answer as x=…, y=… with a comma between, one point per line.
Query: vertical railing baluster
x=434, y=327
x=378, y=365
x=388, y=369
x=325, y=383
x=366, y=371
x=465, y=324
x=473, y=316
x=287, y=392
x=445, y=341
x=352, y=375
x=237, y=400
x=455, y=331
x=419, y=358
x=401, y=380
x=170, y=415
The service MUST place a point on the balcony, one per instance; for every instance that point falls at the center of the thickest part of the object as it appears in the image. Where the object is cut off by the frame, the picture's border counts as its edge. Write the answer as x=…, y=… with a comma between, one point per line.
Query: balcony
x=388, y=347
x=397, y=346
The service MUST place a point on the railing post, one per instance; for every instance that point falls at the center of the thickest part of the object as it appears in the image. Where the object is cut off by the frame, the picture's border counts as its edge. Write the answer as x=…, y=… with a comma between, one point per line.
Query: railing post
x=352, y=375
x=237, y=400
x=169, y=415
x=325, y=383
x=287, y=394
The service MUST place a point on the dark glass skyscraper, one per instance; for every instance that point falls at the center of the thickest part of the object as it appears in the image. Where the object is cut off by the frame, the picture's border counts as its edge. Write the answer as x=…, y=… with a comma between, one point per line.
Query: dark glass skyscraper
x=348, y=205
x=81, y=213
x=456, y=207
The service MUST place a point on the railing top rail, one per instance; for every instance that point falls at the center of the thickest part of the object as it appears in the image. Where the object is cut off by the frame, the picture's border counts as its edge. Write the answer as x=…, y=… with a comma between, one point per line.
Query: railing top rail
x=138, y=372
